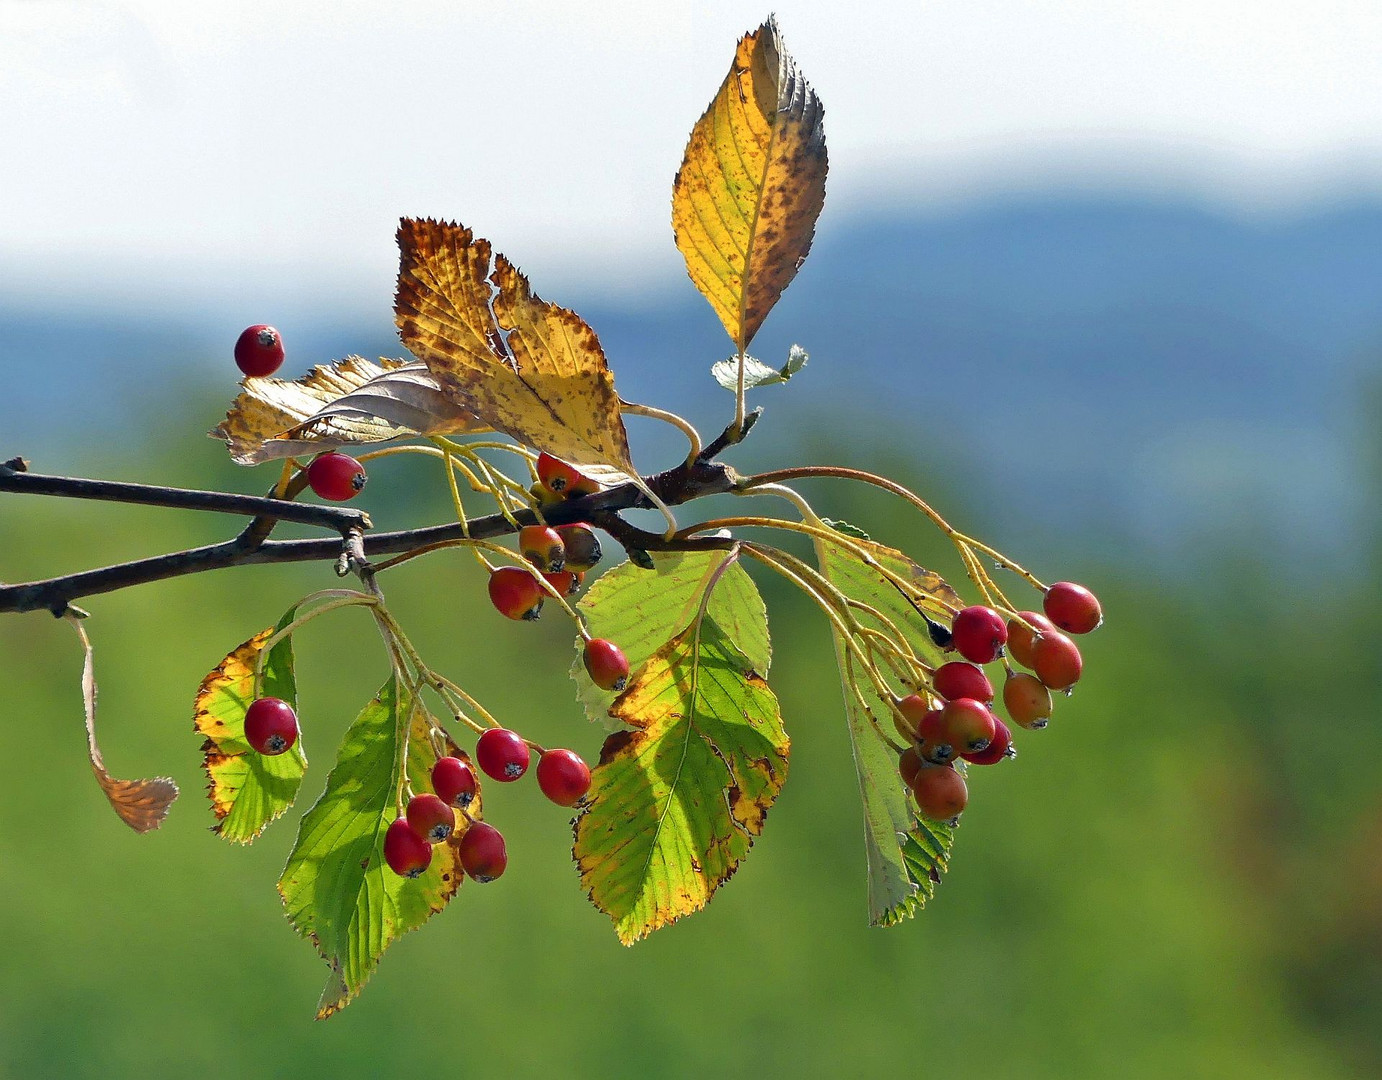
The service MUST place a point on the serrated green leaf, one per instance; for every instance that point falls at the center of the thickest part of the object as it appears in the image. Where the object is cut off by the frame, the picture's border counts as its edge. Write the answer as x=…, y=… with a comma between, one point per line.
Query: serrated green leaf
x=639, y=610
x=757, y=373
x=247, y=789
x=906, y=854
x=676, y=802
x=337, y=890
x=846, y=528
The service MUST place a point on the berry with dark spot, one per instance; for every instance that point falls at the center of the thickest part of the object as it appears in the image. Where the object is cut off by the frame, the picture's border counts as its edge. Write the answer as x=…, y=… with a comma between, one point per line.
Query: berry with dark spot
x=999, y=747
x=515, y=593
x=454, y=782
x=259, y=350
x=407, y=854
x=542, y=547
x=966, y=724
x=607, y=665
x=271, y=726
x=1057, y=661
x=563, y=776
x=581, y=544
x=1072, y=607
x=979, y=633
x=1028, y=701
x=430, y=817
x=483, y=853
x=565, y=582
x=336, y=477
x=502, y=754
x=940, y=792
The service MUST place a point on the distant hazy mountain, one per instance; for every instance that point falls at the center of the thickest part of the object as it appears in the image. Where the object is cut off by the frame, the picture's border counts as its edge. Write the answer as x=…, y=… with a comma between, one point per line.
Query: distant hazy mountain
x=1145, y=372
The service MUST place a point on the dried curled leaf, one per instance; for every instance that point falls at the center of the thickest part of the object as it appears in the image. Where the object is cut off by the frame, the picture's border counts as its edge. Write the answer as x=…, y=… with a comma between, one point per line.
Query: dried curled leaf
x=352, y=402
x=141, y=804
x=752, y=183
x=522, y=365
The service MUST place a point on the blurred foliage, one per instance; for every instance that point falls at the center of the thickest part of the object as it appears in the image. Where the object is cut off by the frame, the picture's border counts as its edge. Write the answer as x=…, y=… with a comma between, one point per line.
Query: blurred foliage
x=1181, y=877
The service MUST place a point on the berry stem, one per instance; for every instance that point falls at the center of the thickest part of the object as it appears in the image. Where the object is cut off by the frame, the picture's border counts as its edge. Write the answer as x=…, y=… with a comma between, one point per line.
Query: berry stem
x=684, y=426
x=345, y=598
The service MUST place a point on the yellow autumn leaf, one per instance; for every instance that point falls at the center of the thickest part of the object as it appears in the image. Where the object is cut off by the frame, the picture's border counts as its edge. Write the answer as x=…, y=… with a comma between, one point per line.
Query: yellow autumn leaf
x=752, y=183
x=522, y=365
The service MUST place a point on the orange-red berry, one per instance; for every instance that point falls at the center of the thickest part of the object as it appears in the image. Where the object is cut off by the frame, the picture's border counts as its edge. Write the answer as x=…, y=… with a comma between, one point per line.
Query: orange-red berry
x=1021, y=641
x=1027, y=700
x=542, y=547
x=1072, y=607
x=979, y=633
x=966, y=724
x=958, y=679
x=454, y=782
x=336, y=477
x=271, y=726
x=563, y=480
x=606, y=663
x=909, y=763
x=581, y=544
x=563, y=776
x=515, y=593
x=259, y=350
x=502, y=754
x=1057, y=661
x=999, y=747
x=565, y=582
x=940, y=792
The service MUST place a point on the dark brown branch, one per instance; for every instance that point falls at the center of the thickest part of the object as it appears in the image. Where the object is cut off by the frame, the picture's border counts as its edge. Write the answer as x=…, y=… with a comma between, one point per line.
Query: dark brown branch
x=674, y=487
x=338, y=518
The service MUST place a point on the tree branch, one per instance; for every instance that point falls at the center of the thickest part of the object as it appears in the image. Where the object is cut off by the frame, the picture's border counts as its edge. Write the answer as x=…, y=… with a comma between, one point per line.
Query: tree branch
x=674, y=487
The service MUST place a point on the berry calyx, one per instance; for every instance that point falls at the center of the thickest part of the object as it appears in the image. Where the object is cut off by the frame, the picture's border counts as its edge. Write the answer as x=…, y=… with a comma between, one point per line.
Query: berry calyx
x=1022, y=640
x=606, y=663
x=1072, y=607
x=582, y=546
x=565, y=582
x=259, y=350
x=482, y=852
x=430, y=818
x=1057, y=661
x=940, y=792
x=979, y=634
x=563, y=776
x=407, y=854
x=336, y=477
x=502, y=754
x=271, y=726
x=1028, y=701
x=515, y=593
x=563, y=480
x=999, y=747
x=542, y=547
x=454, y=782
x=967, y=725
x=958, y=679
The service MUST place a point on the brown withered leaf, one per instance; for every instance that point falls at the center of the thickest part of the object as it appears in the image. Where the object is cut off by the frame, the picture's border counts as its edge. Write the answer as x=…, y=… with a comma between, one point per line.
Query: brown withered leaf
x=522, y=365
x=141, y=804
x=352, y=402
x=752, y=183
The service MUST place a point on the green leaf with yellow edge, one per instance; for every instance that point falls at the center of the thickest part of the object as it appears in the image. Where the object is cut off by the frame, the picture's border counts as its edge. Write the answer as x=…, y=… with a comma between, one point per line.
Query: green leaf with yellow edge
x=752, y=183
x=675, y=803
x=906, y=854
x=337, y=889
x=520, y=364
x=639, y=610
x=247, y=789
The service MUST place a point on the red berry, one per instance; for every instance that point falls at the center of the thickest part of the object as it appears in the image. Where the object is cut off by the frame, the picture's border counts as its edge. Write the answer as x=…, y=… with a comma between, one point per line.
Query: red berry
x=407, y=854
x=979, y=634
x=933, y=741
x=1072, y=607
x=259, y=350
x=430, y=818
x=909, y=763
x=967, y=725
x=582, y=546
x=940, y=792
x=542, y=547
x=563, y=480
x=454, y=782
x=336, y=477
x=1027, y=700
x=608, y=667
x=913, y=708
x=1057, y=661
x=563, y=776
x=515, y=592
x=565, y=582
x=271, y=726
x=1021, y=640
x=999, y=747
x=960, y=680
x=482, y=852
x=502, y=754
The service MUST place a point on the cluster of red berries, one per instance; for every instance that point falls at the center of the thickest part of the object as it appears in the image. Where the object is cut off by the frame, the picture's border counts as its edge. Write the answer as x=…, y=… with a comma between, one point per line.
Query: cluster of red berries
x=430, y=817
x=963, y=724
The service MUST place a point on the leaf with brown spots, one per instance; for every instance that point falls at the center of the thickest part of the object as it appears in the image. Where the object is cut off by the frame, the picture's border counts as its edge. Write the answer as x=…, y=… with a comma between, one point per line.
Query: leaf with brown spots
x=675, y=802
x=752, y=183
x=337, y=890
x=522, y=365
x=352, y=402
x=247, y=789
x=141, y=804
x=905, y=853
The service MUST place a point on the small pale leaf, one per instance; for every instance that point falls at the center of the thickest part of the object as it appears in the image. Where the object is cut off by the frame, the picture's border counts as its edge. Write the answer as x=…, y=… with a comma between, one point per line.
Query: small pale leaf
x=752, y=183
x=757, y=373
x=349, y=403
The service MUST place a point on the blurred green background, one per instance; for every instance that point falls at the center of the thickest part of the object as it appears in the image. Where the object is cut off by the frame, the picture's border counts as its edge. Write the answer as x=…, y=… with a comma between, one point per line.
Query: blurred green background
x=1180, y=877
